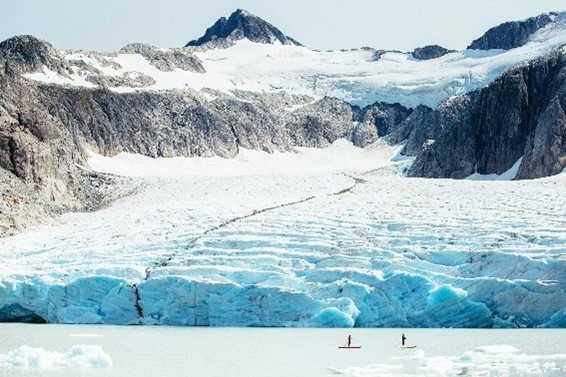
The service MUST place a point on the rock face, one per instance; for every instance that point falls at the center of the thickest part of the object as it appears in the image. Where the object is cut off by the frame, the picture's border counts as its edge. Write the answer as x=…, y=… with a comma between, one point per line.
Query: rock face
x=25, y=54
x=520, y=115
x=240, y=25
x=430, y=52
x=46, y=129
x=40, y=164
x=510, y=34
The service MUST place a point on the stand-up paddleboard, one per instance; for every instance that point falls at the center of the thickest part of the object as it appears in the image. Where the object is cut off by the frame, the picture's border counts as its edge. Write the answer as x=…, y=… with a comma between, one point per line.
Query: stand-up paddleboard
x=350, y=347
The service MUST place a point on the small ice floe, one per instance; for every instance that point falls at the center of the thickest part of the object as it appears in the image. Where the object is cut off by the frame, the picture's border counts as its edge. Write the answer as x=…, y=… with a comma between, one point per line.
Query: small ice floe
x=77, y=356
x=485, y=361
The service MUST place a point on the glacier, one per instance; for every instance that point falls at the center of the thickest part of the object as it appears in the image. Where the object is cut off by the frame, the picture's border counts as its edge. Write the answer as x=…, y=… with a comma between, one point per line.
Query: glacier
x=360, y=77
x=334, y=237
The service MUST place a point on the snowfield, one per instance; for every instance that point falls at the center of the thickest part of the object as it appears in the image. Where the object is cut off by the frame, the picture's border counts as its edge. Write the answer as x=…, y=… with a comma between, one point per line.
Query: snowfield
x=332, y=237
x=359, y=77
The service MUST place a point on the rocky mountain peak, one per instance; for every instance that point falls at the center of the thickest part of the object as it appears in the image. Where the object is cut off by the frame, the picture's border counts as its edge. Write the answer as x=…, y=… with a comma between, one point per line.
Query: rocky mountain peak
x=25, y=53
x=242, y=24
x=511, y=34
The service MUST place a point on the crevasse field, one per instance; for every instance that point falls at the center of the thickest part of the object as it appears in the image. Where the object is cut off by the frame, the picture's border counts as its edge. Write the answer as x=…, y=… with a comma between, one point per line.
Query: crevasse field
x=334, y=237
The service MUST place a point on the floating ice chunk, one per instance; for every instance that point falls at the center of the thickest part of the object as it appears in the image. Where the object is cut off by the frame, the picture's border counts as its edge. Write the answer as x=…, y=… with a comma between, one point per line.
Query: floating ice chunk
x=485, y=361
x=489, y=352
x=78, y=356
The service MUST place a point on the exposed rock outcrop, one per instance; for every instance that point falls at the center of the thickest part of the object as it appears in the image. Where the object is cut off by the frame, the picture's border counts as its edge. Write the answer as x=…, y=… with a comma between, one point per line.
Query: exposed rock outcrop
x=242, y=24
x=166, y=60
x=520, y=115
x=430, y=52
x=25, y=53
x=41, y=171
x=510, y=34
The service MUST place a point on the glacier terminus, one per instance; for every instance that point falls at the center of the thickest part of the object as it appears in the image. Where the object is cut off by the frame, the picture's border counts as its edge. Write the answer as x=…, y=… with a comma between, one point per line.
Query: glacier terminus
x=301, y=239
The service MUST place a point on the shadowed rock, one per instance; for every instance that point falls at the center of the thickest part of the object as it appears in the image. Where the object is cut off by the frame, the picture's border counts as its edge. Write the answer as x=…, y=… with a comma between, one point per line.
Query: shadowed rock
x=240, y=25
x=510, y=34
x=430, y=52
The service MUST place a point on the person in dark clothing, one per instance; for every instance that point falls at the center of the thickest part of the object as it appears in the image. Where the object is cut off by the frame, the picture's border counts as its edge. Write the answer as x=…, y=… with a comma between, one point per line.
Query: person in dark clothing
x=403, y=339
x=349, y=340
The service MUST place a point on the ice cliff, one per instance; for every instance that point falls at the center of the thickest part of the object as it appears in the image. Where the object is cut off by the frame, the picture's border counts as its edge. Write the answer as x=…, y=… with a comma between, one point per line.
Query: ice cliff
x=303, y=239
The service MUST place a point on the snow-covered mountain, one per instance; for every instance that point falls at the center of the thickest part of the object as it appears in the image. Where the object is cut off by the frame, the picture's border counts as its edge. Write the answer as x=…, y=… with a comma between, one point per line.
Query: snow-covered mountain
x=239, y=174
x=260, y=59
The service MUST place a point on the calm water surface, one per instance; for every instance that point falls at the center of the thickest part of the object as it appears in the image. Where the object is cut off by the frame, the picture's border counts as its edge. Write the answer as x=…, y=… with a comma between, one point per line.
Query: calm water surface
x=254, y=352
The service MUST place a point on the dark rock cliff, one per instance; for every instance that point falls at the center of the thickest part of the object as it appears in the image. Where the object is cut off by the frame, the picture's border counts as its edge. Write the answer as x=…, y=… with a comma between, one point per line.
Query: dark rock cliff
x=240, y=25
x=510, y=34
x=430, y=52
x=520, y=115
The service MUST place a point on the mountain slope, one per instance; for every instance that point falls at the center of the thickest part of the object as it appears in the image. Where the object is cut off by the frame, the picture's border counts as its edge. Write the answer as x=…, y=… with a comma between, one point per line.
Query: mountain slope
x=518, y=117
x=511, y=35
x=275, y=95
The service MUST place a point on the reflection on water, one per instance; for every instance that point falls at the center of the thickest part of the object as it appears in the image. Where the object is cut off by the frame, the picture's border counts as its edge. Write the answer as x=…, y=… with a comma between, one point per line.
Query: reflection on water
x=120, y=351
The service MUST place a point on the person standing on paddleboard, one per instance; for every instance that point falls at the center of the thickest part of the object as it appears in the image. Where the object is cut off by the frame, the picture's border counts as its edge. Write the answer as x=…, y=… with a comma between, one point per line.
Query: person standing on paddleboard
x=349, y=340
x=403, y=339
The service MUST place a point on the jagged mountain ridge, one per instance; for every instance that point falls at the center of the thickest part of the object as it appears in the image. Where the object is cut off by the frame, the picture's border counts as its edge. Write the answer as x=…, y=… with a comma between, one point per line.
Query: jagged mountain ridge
x=56, y=104
x=511, y=34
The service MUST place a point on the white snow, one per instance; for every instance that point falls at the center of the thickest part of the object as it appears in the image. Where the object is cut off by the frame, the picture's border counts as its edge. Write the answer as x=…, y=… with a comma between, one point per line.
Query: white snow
x=508, y=175
x=331, y=237
x=352, y=76
x=50, y=77
x=340, y=156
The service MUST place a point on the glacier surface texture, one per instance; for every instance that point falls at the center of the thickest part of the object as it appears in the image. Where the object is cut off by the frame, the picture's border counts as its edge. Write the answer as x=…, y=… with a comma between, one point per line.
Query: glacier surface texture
x=336, y=237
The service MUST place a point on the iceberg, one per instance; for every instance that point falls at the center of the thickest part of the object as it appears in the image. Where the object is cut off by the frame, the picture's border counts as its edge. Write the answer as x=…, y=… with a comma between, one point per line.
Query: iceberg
x=77, y=356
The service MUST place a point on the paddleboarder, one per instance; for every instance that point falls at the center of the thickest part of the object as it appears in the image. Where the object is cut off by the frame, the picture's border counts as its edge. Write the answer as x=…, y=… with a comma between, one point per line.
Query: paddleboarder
x=403, y=339
x=349, y=340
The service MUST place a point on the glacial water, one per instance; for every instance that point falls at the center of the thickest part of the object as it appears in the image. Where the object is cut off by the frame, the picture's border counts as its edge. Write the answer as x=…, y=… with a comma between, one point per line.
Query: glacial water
x=123, y=351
